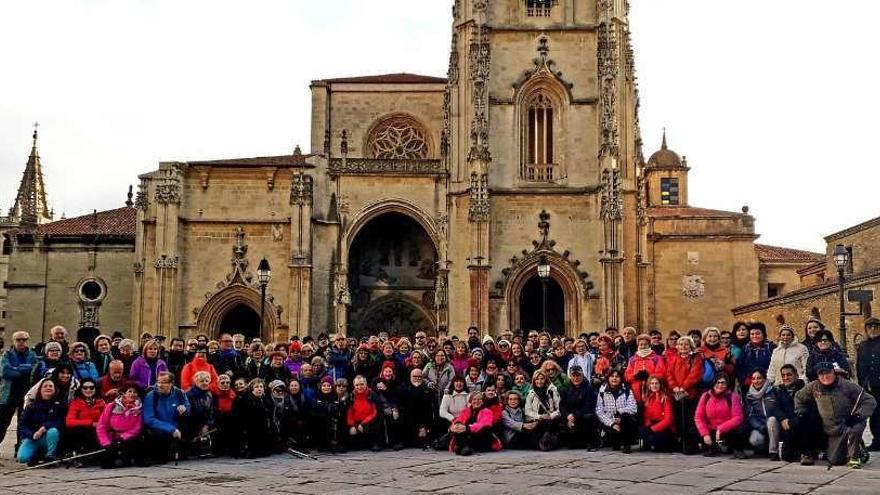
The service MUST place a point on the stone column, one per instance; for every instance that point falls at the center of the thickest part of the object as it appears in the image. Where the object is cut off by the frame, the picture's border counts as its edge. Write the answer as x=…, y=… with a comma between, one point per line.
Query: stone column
x=301, y=199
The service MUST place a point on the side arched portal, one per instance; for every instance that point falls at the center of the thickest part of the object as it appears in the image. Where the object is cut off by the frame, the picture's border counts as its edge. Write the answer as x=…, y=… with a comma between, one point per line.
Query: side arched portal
x=566, y=292
x=237, y=305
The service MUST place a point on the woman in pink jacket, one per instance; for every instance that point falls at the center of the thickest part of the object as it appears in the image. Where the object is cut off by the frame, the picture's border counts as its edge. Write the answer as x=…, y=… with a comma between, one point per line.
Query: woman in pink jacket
x=719, y=419
x=471, y=430
x=119, y=428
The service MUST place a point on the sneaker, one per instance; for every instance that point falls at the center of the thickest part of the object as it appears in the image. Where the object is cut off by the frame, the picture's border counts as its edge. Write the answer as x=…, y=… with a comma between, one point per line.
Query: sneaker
x=739, y=454
x=807, y=460
x=855, y=463
x=774, y=456
x=466, y=450
x=626, y=449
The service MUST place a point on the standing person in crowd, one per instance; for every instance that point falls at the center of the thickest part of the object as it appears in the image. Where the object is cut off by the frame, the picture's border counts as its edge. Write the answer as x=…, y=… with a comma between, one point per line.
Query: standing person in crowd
x=658, y=419
x=52, y=357
x=146, y=368
x=165, y=408
x=629, y=346
x=438, y=374
x=119, y=428
x=756, y=354
x=175, y=358
x=227, y=360
x=657, y=341
x=15, y=372
x=685, y=372
x=739, y=340
x=386, y=389
x=717, y=353
x=812, y=326
x=253, y=412
x=110, y=383
x=276, y=369
x=364, y=424
x=255, y=363
x=542, y=406
x=127, y=354
x=616, y=409
x=577, y=406
x=643, y=364
x=844, y=408
x=224, y=402
x=328, y=421
x=582, y=358
x=199, y=363
x=763, y=429
x=789, y=351
x=339, y=358
x=102, y=355
x=607, y=360
x=671, y=346
x=826, y=351
x=197, y=426
x=868, y=366
x=719, y=418
x=39, y=428
x=293, y=362
x=418, y=410
x=365, y=364
x=472, y=430
x=57, y=334
x=83, y=416
x=80, y=359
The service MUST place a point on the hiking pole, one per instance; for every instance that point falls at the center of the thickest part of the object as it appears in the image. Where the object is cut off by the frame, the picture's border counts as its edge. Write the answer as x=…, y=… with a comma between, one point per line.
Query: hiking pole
x=301, y=455
x=56, y=462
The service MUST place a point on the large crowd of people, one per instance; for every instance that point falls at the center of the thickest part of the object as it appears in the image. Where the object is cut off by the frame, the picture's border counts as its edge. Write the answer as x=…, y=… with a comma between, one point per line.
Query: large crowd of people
x=713, y=392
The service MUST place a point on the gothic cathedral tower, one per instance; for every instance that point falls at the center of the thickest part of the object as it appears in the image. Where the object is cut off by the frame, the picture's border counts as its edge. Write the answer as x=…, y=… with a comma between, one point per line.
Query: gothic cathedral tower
x=542, y=143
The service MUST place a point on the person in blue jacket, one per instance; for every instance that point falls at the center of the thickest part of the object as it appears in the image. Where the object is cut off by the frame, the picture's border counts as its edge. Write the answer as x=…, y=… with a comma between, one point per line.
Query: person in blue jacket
x=339, y=358
x=15, y=372
x=755, y=355
x=80, y=359
x=164, y=410
x=40, y=425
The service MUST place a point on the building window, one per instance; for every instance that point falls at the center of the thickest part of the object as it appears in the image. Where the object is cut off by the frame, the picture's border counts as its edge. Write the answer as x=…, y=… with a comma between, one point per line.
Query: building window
x=92, y=290
x=538, y=140
x=669, y=191
x=539, y=8
x=398, y=138
x=774, y=290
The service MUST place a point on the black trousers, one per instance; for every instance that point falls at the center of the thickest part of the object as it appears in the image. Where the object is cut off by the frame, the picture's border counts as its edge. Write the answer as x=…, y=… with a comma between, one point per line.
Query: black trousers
x=479, y=442
x=626, y=435
x=584, y=433
x=659, y=441
x=12, y=408
x=685, y=411
x=372, y=436
x=129, y=451
x=735, y=439
x=80, y=440
x=874, y=420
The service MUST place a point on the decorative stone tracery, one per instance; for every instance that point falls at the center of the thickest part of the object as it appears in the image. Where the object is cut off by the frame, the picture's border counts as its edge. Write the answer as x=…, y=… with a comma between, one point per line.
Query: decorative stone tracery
x=399, y=137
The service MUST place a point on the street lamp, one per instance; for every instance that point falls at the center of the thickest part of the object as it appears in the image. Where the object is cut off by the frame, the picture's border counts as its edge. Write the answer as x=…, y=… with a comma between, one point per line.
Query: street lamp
x=544, y=275
x=841, y=259
x=264, y=273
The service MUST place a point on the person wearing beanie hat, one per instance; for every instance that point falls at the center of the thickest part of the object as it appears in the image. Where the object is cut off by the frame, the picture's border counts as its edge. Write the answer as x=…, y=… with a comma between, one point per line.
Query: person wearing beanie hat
x=198, y=363
x=326, y=417
x=294, y=360
x=826, y=353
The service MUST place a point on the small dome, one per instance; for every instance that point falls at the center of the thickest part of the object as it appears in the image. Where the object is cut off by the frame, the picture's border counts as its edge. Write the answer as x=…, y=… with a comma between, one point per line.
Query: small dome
x=665, y=157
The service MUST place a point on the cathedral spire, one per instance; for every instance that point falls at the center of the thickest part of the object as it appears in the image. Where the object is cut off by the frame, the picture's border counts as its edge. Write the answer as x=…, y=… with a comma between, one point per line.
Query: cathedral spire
x=30, y=206
x=663, y=146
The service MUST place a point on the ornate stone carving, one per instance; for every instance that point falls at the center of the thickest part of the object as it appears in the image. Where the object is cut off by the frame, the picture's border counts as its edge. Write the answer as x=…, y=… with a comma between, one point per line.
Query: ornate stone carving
x=399, y=138
x=452, y=71
x=327, y=142
x=612, y=199
x=641, y=201
x=166, y=262
x=440, y=292
x=480, y=61
x=168, y=193
x=141, y=201
x=479, y=209
x=342, y=296
x=277, y=232
x=543, y=63
x=89, y=315
x=240, y=249
x=608, y=70
x=138, y=267
x=382, y=166
x=301, y=189
x=693, y=286
x=343, y=143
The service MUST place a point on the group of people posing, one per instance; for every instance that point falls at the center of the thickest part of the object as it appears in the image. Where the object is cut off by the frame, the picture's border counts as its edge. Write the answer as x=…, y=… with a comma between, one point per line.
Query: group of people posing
x=713, y=392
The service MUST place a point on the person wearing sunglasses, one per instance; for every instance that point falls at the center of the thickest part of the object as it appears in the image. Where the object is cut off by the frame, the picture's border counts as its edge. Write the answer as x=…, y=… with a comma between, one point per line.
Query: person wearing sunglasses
x=16, y=365
x=83, y=416
x=826, y=350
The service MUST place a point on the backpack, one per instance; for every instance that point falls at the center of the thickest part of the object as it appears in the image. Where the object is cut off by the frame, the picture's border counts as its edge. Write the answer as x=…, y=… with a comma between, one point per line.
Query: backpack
x=708, y=372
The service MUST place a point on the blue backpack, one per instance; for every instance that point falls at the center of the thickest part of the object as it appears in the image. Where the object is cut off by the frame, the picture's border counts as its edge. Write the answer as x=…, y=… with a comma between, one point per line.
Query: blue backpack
x=708, y=372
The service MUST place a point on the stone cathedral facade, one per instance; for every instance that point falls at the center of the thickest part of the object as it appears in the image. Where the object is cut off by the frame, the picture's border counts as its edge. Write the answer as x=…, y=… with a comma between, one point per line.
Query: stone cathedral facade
x=428, y=203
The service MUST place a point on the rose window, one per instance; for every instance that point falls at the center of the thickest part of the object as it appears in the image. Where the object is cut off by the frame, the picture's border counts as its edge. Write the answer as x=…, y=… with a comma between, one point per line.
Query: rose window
x=399, y=139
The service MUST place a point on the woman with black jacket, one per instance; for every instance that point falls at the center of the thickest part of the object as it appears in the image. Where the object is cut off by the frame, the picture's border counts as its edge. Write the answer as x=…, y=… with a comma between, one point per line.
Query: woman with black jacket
x=253, y=412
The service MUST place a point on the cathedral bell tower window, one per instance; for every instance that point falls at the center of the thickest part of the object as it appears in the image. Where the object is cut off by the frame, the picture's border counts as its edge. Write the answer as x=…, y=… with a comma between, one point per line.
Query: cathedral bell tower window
x=539, y=8
x=538, y=150
x=669, y=191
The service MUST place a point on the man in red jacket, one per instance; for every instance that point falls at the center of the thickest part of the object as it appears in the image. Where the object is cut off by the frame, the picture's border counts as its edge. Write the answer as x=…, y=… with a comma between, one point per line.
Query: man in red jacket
x=363, y=419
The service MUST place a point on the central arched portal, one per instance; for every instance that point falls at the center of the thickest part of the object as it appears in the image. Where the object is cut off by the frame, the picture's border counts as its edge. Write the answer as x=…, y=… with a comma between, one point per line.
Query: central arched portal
x=391, y=273
x=241, y=319
x=531, y=311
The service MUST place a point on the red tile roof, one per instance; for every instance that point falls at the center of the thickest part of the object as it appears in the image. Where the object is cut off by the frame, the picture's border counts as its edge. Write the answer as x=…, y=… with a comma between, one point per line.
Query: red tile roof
x=777, y=253
x=687, y=211
x=399, y=78
x=120, y=222
x=259, y=161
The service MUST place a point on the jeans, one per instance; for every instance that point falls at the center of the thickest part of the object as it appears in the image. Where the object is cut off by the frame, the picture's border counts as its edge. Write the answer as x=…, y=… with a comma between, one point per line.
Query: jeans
x=30, y=448
x=768, y=440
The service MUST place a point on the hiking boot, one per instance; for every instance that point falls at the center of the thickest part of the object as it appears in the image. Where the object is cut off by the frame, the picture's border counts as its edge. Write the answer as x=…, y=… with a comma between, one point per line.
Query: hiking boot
x=626, y=449
x=855, y=463
x=807, y=460
x=466, y=450
x=774, y=456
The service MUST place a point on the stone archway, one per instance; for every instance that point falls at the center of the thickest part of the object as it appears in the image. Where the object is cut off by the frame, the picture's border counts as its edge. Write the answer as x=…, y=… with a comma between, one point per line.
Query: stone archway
x=391, y=265
x=224, y=303
x=562, y=274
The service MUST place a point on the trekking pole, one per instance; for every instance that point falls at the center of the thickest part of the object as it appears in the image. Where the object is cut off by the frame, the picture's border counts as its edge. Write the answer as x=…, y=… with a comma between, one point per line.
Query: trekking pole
x=59, y=461
x=301, y=455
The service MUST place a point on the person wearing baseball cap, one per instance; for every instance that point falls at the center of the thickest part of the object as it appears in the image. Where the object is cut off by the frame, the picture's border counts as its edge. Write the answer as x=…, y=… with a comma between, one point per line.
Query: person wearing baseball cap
x=578, y=411
x=868, y=369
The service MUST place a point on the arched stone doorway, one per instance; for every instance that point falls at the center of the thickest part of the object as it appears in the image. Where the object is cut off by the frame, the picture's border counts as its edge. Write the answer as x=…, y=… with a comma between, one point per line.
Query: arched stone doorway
x=531, y=306
x=236, y=305
x=241, y=319
x=392, y=268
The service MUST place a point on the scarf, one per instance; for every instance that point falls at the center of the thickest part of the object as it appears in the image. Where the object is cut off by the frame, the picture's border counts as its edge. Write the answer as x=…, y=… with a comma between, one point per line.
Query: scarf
x=643, y=353
x=758, y=394
x=120, y=406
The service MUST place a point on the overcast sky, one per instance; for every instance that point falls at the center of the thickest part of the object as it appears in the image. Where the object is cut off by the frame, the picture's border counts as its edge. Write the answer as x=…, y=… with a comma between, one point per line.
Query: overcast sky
x=771, y=101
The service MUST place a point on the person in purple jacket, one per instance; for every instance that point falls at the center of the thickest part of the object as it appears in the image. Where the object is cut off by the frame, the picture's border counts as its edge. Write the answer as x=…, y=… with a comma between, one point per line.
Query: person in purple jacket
x=147, y=367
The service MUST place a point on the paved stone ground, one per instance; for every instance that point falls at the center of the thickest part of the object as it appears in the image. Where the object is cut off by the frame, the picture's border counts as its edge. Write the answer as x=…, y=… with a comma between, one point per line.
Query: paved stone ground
x=416, y=471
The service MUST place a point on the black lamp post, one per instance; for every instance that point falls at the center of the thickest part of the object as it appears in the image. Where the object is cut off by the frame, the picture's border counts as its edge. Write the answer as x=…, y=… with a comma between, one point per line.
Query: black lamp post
x=841, y=259
x=544, y=275
x=263, y=275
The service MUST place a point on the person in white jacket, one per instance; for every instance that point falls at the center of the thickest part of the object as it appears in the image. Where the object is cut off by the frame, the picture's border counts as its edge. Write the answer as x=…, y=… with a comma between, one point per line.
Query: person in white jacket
x=616, y=408
x=454, y=400
x=789, y=351
x=583, y=358
x=542, y=406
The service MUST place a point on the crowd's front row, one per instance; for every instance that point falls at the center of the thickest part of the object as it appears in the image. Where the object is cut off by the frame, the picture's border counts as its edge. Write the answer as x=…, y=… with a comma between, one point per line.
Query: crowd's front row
x=433, y=407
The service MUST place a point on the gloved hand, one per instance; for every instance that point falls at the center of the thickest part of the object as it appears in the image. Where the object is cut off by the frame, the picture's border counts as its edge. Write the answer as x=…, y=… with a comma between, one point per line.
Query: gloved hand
x=854, y=419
